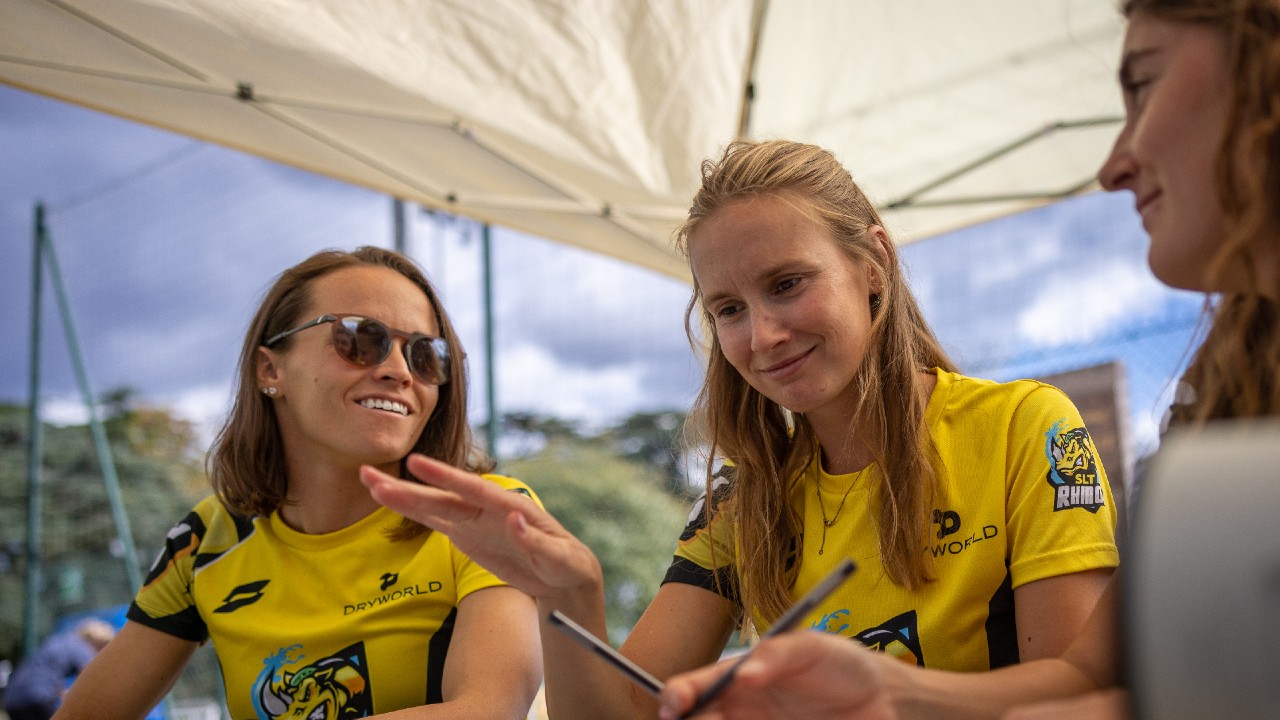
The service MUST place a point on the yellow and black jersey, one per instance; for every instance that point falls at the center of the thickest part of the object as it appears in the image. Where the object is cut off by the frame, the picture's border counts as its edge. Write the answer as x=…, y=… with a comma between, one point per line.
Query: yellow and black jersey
x=1023, y=498
x=350, y=620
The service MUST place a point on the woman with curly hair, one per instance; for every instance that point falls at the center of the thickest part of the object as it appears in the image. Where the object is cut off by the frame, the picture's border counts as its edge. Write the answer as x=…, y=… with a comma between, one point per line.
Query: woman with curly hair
x=1200, y=151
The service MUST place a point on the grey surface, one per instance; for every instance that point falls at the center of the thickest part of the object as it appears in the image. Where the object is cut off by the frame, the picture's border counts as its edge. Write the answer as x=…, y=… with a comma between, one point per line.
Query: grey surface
x=1203, y=582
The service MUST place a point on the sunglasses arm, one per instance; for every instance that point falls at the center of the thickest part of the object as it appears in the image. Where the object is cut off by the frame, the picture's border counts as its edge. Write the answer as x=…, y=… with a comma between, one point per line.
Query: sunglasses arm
x=280, y=336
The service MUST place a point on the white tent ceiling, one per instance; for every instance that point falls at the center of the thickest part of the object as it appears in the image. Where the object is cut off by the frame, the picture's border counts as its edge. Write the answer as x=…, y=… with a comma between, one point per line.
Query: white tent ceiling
x=584, y=121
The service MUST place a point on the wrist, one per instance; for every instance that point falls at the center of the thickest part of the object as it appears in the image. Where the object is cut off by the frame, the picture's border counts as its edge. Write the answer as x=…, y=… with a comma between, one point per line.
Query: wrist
x=901, y=691
x=584, y=590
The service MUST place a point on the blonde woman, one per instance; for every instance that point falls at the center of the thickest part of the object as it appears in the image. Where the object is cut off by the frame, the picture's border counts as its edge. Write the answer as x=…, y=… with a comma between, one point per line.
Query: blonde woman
x=978, y=511
x=1200, y=151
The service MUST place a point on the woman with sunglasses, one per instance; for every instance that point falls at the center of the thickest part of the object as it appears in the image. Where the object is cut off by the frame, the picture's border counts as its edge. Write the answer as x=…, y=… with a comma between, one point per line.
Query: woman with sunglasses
x=1200, y=151
x=319, y=602
x=977, y=512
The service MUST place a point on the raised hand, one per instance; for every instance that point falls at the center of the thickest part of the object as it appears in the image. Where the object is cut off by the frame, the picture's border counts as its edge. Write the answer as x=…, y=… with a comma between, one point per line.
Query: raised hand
x=505, y=532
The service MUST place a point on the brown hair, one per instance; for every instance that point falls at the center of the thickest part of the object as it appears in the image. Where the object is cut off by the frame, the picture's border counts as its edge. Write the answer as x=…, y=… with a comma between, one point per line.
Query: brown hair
x=1234, y=373
x=247, y=465
x=769, y=446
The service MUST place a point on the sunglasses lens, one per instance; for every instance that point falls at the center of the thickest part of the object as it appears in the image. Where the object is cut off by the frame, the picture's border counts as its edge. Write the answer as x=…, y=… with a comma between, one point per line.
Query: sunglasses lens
x=361, y=341
x=365, y=342
x=429, y=359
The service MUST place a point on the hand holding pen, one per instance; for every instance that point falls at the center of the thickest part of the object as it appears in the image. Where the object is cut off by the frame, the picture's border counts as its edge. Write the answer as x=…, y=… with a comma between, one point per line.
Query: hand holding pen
x=806, y=674
x=651, y=685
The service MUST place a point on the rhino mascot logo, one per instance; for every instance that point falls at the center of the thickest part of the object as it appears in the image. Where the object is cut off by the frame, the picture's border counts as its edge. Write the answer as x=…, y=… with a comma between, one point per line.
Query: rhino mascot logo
x=333, y=688
x=1073, y=469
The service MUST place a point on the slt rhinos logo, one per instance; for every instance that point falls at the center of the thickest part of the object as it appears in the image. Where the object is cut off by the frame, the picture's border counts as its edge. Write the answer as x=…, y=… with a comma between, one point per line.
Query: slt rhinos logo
x=1073, y=469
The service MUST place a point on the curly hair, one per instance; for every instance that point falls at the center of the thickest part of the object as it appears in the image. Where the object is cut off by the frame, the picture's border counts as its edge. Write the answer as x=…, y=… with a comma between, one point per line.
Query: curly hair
x=767, y=445
x=247, y=462
x=1234, y=372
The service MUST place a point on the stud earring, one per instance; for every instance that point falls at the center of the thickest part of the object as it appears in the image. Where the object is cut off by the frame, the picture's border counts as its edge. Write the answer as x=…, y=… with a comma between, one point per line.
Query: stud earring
x=875, y=301
x=269, y=391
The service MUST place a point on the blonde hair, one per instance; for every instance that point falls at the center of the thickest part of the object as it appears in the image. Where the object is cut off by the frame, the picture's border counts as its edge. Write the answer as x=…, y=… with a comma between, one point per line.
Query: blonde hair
x=767, y=445
x=1234, y=373
x=247, y=463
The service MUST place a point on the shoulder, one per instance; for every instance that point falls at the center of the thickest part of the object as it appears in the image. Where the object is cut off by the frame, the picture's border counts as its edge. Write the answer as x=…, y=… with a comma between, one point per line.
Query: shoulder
x=512, y=485
x=208, y=529
x=722, y=484
x=992, y=398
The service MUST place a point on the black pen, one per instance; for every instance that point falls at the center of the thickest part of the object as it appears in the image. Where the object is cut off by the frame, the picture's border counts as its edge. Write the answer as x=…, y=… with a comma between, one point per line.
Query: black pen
x=583, y=637
x=803, y=607
x=653, y=686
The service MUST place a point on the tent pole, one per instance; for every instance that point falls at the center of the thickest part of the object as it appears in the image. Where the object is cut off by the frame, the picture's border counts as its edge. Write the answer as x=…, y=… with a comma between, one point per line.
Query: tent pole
x=35, y=450
x=759, y=9
x=101, y=446
x=491, y=433
x=909, y=200
x=397, y=220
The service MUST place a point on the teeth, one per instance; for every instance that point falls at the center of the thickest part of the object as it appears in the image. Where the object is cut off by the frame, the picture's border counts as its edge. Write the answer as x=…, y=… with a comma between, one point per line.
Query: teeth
x=378, y=404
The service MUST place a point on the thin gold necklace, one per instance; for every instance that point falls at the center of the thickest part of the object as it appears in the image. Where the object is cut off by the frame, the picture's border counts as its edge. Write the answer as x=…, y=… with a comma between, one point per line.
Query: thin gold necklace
x=825, y=522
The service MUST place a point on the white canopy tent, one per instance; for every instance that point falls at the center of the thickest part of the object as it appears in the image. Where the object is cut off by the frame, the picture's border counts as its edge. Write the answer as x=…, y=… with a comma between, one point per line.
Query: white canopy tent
x=584, y=121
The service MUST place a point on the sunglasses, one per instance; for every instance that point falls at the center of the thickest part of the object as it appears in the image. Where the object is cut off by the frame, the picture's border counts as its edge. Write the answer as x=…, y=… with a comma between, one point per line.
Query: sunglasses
x=365, y=342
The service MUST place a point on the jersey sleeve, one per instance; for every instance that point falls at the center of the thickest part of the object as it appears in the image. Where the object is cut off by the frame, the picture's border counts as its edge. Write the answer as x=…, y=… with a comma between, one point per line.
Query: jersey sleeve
x=471, y=576
x=165, y=602
x=1060, y=513
x=704, y=555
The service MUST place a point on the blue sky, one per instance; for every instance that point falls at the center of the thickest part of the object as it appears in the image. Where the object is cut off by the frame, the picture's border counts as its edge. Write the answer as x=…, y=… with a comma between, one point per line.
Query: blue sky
x=166, y=244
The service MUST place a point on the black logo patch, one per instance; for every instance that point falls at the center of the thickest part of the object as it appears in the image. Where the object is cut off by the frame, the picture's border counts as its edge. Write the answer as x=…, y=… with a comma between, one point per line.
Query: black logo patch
x=242, y=595
x=896, y=637
x=948, y=522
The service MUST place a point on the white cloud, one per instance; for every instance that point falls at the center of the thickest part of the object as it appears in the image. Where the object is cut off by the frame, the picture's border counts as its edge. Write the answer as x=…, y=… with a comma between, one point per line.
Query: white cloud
x=1077, y=307
x=64, y=410
x=1038, y=249
x=530, y=378
x=205, y=407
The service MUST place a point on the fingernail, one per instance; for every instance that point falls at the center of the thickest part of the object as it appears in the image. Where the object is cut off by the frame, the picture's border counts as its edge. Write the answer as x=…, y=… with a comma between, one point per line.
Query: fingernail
x=522, y=526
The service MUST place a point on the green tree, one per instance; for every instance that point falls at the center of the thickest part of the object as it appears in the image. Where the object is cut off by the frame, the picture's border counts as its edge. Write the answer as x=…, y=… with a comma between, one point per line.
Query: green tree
x=654, y=439
x=161, y=476
x=618, y=508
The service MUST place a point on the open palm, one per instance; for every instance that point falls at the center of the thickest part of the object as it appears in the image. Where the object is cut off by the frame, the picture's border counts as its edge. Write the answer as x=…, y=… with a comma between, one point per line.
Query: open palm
x=505, y=532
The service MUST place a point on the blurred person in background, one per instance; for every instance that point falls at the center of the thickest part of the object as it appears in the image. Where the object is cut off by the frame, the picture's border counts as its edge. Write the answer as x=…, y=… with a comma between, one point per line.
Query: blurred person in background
x=38, y=683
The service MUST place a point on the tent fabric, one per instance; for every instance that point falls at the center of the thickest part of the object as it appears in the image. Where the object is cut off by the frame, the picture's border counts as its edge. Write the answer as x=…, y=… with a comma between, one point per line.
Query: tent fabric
x=585, y=121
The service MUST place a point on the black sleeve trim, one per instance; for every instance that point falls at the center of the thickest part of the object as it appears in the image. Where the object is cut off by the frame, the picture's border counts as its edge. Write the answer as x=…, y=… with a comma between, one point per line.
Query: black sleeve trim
x=688, y=572
x=1002, y=625
x=186, y=625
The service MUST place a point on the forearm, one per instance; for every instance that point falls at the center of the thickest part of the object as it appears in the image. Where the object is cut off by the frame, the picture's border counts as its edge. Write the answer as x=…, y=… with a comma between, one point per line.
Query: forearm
x=496, y=706
x=579, y=685
x=1089, y=664
x=940, y=695
x=494, y=663
x=154, y=662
